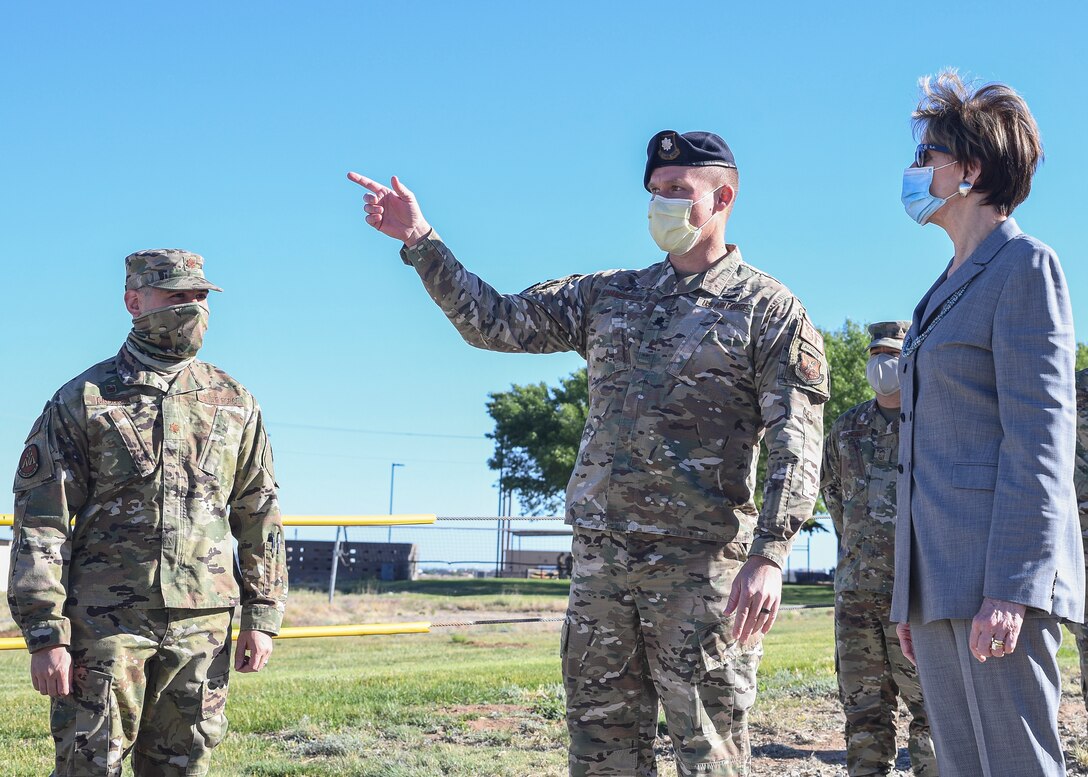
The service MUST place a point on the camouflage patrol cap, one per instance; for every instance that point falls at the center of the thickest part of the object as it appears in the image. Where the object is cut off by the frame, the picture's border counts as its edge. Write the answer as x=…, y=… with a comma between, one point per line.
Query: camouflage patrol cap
x=166, y=268
x=669, y=148
x=888, y=333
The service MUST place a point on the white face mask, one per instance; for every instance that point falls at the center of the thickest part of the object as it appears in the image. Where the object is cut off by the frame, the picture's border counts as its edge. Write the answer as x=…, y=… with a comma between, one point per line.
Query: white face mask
x=882, y=372
x=669, y=224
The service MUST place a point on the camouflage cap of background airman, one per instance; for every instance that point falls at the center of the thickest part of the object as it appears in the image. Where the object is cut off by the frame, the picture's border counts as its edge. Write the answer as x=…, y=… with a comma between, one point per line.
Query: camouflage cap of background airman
x=888, y=333
x=166, y=268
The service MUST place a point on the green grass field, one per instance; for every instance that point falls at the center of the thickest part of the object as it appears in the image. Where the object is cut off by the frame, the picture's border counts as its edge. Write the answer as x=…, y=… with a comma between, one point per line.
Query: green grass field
x=468, y=702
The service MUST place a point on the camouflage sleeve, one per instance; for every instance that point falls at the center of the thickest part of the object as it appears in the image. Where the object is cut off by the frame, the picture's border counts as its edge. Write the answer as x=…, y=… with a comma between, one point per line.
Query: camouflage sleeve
x=792, y=380
x=546, y=318
x=50, y=489
x=831, y=479
x=257, y=525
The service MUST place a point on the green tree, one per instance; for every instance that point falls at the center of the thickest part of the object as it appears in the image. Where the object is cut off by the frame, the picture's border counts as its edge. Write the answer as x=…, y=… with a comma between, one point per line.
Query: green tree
x=537, y=432
x=847, y=351
x=1082, y=356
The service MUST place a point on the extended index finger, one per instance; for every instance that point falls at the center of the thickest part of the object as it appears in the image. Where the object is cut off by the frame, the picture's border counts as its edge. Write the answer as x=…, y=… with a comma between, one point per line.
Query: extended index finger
x=367, y=183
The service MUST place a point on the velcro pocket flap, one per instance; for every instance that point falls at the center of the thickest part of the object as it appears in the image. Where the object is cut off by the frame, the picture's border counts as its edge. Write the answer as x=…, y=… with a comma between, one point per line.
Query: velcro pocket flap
x=134, y=442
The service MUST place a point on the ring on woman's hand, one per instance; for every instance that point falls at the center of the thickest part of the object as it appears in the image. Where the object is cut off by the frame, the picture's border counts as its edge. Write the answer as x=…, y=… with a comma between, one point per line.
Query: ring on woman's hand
x=997, y=644
x=764, y=611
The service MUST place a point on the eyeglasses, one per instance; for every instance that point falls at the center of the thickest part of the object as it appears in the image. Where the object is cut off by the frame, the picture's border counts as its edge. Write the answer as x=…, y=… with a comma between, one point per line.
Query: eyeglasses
x=920, y=152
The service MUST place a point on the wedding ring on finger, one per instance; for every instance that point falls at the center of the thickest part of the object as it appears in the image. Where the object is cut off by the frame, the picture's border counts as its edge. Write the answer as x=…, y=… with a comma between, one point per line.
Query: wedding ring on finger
x=765, y=611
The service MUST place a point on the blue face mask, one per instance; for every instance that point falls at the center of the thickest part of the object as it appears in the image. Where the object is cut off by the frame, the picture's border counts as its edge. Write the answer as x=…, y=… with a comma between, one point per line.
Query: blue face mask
x=918, y=202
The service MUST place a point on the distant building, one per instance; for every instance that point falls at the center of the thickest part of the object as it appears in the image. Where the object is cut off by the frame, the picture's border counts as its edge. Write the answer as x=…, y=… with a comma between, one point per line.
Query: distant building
x=309, y=562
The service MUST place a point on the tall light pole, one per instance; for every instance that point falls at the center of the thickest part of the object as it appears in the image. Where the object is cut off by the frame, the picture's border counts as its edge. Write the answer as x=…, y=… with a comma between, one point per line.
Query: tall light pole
x=392, y=475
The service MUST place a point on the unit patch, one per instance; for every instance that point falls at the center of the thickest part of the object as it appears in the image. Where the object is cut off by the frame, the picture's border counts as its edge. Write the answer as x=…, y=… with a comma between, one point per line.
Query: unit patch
x=29, y=462
x=808, y=367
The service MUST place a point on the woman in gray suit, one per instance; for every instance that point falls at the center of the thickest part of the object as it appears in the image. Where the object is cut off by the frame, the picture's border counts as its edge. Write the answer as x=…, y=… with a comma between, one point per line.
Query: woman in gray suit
x=988, y=552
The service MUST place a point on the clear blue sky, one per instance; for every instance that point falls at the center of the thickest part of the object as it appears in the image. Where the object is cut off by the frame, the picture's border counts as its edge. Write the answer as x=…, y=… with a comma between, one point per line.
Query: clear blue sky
x=227, y=128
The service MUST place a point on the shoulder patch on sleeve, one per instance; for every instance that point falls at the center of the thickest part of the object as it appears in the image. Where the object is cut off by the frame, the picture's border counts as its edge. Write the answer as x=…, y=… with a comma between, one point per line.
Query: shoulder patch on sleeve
x=806, y=365
x=30, y=462
x=35, y=467
x=36, y=461
x=811, y=334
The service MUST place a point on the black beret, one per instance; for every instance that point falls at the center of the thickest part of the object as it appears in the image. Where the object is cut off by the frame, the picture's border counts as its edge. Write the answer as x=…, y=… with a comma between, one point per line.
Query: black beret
x=692, y=149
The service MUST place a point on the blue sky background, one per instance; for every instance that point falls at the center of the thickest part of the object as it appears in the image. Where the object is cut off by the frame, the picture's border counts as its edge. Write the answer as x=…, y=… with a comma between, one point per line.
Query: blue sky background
x=227, y=129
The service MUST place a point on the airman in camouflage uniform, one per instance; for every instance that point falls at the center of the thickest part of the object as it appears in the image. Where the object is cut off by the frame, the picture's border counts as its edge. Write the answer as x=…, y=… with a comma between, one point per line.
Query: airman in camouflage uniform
x=1080, y=478
x=690, y=365
x=859, y=482
x=135, y=482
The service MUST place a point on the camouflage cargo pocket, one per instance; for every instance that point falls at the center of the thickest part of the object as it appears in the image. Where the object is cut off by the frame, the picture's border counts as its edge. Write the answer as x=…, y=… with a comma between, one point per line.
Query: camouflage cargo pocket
x=725, y=687
x=87, y=728
x=212, y=726
x=713, y=683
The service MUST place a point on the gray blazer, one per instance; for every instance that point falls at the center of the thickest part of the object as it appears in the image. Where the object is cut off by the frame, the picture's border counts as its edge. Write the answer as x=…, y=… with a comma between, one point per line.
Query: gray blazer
x=985, y=487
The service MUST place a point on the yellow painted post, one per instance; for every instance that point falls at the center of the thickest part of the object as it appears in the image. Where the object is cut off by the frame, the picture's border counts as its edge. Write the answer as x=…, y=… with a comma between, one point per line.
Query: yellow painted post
x=6, y=519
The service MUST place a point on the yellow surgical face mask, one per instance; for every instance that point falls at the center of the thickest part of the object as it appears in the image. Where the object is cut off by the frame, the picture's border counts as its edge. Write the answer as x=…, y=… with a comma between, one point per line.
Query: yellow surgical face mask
x=670, y=224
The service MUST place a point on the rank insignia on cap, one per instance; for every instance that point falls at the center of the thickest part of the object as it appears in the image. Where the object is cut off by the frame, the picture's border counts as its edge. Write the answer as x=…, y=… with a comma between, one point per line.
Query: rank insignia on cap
x=669, y=149
x=192, y=264
x=29, y=461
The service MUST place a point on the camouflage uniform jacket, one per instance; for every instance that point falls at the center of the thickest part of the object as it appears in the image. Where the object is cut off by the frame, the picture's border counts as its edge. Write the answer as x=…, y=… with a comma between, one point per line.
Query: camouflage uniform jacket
x=685, y=377
x=131, y=492
x=1080, y=473
x=861, y=456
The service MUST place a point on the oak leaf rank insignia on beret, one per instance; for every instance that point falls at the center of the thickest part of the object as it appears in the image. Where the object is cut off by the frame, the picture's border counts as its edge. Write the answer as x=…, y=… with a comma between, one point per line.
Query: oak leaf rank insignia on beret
x=669, y=148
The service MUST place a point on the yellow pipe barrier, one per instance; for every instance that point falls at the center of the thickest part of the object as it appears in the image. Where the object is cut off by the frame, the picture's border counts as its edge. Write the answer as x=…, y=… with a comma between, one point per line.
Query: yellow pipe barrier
x=303, y=632
x=328, y=520
x=358, y=520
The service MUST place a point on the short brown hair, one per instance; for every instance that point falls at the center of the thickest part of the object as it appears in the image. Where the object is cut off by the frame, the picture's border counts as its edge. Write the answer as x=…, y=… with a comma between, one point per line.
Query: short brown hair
x=990, y=126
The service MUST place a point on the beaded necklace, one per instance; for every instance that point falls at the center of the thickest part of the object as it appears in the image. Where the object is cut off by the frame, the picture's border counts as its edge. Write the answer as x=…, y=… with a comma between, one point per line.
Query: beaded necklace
x=914, y=343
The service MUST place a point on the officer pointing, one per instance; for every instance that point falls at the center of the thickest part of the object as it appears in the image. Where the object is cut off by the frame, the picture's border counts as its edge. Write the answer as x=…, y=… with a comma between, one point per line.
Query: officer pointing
x=691, y=362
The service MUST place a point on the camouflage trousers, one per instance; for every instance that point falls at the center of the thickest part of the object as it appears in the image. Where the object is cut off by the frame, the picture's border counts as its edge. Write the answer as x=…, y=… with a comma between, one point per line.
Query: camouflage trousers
x=153, y=682
x=645, y=623
x=873, y=672
x=1081, y=633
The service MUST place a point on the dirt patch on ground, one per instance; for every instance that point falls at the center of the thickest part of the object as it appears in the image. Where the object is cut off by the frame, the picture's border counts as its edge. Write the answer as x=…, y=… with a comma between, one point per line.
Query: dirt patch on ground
x=810, y=743
x=479, y=644
x=488, y=717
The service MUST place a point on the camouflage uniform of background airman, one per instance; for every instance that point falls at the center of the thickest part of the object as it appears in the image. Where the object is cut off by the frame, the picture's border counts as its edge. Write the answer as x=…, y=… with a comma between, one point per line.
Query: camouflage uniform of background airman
x=859, y=483
x=1080, y=478
x=685, y=375
x=129, y=495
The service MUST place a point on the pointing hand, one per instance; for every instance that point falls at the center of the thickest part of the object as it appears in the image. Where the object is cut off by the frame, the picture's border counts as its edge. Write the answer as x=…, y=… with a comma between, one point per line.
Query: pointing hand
x=392, y=211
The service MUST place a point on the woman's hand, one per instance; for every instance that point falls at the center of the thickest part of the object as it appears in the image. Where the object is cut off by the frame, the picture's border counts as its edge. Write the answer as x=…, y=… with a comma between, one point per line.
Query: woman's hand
x=995, y=629
x=906, y=642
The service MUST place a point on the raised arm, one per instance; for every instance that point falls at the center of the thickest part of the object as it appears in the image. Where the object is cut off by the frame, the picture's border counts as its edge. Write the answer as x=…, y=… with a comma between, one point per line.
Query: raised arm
x=545, y=318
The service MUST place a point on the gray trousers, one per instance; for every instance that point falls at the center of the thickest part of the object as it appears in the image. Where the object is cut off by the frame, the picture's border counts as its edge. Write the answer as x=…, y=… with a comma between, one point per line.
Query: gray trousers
x=997, y=719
